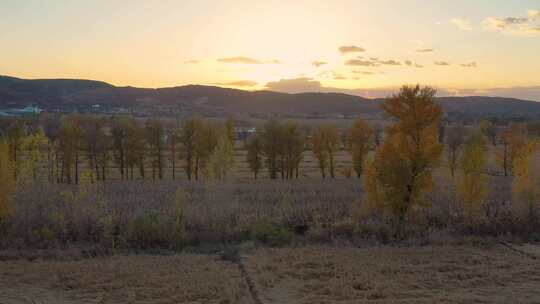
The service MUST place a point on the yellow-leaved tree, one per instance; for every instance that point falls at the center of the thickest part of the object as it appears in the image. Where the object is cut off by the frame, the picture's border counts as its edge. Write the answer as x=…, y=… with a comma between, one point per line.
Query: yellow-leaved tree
x=402, y=168
x=526, y=183
x=472, y=186
x=7, y=182
x=34, y=147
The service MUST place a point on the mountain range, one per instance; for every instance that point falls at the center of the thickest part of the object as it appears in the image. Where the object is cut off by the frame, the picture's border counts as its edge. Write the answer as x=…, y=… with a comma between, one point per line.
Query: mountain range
x=52, y=94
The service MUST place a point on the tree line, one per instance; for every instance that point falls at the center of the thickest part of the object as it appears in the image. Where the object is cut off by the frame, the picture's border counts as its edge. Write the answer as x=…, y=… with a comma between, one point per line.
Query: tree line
x=202, y=148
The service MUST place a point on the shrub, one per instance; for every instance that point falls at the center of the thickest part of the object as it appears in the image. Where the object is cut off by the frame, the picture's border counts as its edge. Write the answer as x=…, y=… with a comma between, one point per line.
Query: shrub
x=272, y=235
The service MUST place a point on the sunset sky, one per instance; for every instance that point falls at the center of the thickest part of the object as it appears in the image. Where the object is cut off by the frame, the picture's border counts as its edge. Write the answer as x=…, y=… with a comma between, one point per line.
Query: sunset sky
x=364, y=47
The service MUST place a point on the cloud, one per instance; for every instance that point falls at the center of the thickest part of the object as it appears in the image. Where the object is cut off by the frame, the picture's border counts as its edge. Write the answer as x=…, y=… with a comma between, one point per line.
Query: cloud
x=390, y=62
x=338, y=76
x=441, y=63
x=469, y=65
x=193, y=61
x=350, y=49
x=318, y=63
x=247, y=60
x=372, y=62
x=416, y=65
x=238, y=83
x=408, y=62
x=366, y=72
x=425, y=50
x=295, y=85
x=360, y=62
x=462, y=24
x=520, y=26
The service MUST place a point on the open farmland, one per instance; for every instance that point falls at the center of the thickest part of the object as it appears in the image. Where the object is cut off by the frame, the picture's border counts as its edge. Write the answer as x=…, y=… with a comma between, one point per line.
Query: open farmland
x=313, y=274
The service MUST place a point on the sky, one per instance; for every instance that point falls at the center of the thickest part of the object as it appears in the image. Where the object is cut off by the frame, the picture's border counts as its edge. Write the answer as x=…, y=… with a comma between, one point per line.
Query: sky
x=362, y=47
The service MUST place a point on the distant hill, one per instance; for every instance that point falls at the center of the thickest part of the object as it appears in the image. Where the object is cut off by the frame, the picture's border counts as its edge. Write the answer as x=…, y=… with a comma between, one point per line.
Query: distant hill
x=74, y=93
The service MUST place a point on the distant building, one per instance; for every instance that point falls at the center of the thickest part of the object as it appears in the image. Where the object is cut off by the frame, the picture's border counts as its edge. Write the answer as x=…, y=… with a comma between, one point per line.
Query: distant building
x=28, y=110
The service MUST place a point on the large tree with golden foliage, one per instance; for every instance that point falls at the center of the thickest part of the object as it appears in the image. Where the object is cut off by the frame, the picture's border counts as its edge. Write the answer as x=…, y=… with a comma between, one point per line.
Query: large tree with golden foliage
x=402, y=168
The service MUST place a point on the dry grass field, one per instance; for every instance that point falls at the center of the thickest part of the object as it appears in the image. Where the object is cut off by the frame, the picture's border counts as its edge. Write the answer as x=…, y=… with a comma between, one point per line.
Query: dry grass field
x=314, y=274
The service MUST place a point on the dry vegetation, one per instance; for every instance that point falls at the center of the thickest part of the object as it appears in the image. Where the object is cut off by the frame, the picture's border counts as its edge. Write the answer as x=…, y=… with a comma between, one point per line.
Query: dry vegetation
x=390, y=275
x=124, y=279
x=313, y=274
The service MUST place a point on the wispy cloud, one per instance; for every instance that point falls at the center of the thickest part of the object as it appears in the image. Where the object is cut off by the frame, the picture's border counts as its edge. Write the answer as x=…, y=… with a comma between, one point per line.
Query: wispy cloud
x=318, y=63
x=441, y=63
x=193, y=61
x=469, y=65
x=360, y=62
x=521, y=26
x=247, y=60
x=371, y=62
x=425, y=50
x=367, y=73
x=462, y=24
x=338, y=76
x=238, y=83
x=351, y=49
x=390, y=62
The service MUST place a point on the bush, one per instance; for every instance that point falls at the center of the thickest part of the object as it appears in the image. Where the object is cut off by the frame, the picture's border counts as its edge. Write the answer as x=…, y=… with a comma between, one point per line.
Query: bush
x=150, y=230
x=272, y=235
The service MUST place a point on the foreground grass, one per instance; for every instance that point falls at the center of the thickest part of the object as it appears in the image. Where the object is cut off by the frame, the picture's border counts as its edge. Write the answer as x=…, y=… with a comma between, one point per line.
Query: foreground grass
x=314, y=274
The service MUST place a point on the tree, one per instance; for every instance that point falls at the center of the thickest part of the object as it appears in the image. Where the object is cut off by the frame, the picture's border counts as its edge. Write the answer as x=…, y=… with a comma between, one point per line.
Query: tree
x=292, y=150
x=7, y=182
x=402, y=168
x=155, y=135
x=119, y=132
x=187, y=138
x=326, y=142
x=472, y=186
x=454, y=139
x=254, y=156
x=69, y=139
x=15, y=134
x=513, y=141
x=206, y=140
x=33, y=146
x=270, y=137
x=230, y=130
x=359, y=140
x=222, y=158
x=173, y=135
x=135, y=149
x=526, y=183
x=95, y=144
x=489, y=130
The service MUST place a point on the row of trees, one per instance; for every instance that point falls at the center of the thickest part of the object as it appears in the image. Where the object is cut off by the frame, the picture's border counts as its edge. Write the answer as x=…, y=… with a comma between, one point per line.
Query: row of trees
x=201, y=148
x=205, y=148
x=63, y=144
